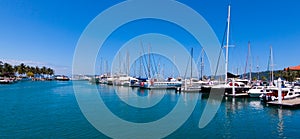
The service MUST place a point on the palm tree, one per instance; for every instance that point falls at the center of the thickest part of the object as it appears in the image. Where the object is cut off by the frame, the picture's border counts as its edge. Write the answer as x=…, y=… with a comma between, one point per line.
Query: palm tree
x=1, y=67
x=8, y=70
x=32, y=69
x=50, y=71
x=263, y=78
x=37, y=70
x=15, y=69
x=22, y=68
x=44, y=70
x=254, y=78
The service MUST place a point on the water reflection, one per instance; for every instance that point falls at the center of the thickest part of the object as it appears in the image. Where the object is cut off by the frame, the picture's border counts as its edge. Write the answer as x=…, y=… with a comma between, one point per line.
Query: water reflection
x=233, y=104
x=156, y=111
x=256, y=104
x=235, y=118
x=280, y=125
x=140, y=98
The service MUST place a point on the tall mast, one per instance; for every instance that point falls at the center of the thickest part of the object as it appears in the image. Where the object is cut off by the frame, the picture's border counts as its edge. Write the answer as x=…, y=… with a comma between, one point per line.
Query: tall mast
x=120, y=63
x=250, y=61
x=192, y=64
x=173, y=72
x=257, y=67
x=227, y=44
x=149, y=62
x=106, y=68
x=140, y=70
x=272, y=65
x=250, y=64
x=202, y=64
x=101, y=66
x=127, y=62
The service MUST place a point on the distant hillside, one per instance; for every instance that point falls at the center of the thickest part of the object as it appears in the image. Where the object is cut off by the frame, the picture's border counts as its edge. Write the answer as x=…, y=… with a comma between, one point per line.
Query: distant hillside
x=265, y=75
x=262, y=74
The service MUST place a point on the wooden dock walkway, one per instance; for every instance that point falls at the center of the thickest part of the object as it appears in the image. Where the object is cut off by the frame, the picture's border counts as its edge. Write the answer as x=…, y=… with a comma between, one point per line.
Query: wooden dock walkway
x=289, y=102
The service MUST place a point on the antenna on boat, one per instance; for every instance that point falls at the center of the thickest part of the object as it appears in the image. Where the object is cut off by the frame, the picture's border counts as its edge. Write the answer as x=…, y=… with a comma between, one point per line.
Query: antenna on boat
x=227, y=43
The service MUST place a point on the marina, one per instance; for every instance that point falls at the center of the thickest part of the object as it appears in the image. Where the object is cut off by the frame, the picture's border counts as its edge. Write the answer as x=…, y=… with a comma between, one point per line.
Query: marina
x=150, y=69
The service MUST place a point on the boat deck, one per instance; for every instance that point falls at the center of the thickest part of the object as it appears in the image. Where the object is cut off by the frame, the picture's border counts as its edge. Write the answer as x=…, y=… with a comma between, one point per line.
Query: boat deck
x=289, y=102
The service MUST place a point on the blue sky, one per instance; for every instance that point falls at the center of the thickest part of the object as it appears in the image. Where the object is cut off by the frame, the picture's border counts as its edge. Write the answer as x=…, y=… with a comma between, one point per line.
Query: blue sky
x=46, y=32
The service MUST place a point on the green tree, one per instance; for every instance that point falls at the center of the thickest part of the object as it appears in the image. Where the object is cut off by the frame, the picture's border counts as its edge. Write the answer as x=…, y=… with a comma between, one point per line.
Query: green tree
x=254, y=78
x=263, y=78
x=8, y=70
x=22, y=68
x=37, y=70
x=44, y=70
x=1, y=67
x=50, y=71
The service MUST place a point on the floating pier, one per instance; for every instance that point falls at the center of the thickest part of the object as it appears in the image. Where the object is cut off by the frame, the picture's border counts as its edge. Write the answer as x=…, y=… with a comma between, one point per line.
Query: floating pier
x=288, y=102
x=238, y=95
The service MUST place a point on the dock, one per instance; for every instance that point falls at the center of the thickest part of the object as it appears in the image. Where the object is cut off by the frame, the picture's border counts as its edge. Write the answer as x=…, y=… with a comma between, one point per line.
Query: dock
x=288, y=102
x=238, y=95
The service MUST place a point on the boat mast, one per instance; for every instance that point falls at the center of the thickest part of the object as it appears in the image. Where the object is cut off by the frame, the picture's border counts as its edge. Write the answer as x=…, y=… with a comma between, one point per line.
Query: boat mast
x=120, y=63
x=128, y=62
x=202, y=64
x=149, y=76
x=106, y=68
x=173, y=72
x=140, y=59
x=250, y=62
x=101, y=66
x=272, y=65
x=250, y=65
x=227, y=44
x=257, y=67
x=192, y=64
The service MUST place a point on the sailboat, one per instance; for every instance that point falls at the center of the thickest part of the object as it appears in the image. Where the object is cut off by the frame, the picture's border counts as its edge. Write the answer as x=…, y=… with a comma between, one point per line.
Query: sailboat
x=192, y=85
x=158, y=82
x=262, y=91
x=232, y=86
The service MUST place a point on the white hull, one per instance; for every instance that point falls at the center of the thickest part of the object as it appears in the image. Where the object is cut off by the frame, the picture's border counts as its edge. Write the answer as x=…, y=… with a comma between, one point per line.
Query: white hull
x=161, y=85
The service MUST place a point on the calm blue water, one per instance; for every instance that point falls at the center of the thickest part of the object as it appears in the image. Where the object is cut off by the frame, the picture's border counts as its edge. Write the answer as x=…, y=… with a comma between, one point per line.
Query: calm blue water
x=50, y=110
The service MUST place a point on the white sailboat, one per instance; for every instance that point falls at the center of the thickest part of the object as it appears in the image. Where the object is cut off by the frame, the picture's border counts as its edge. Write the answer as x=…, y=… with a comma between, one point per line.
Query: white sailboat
x=158, y=82
x=191, y=85
x=232, y=87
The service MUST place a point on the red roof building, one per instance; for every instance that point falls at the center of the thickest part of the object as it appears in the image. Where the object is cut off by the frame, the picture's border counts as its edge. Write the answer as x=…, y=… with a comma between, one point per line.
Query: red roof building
x=293, y=68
